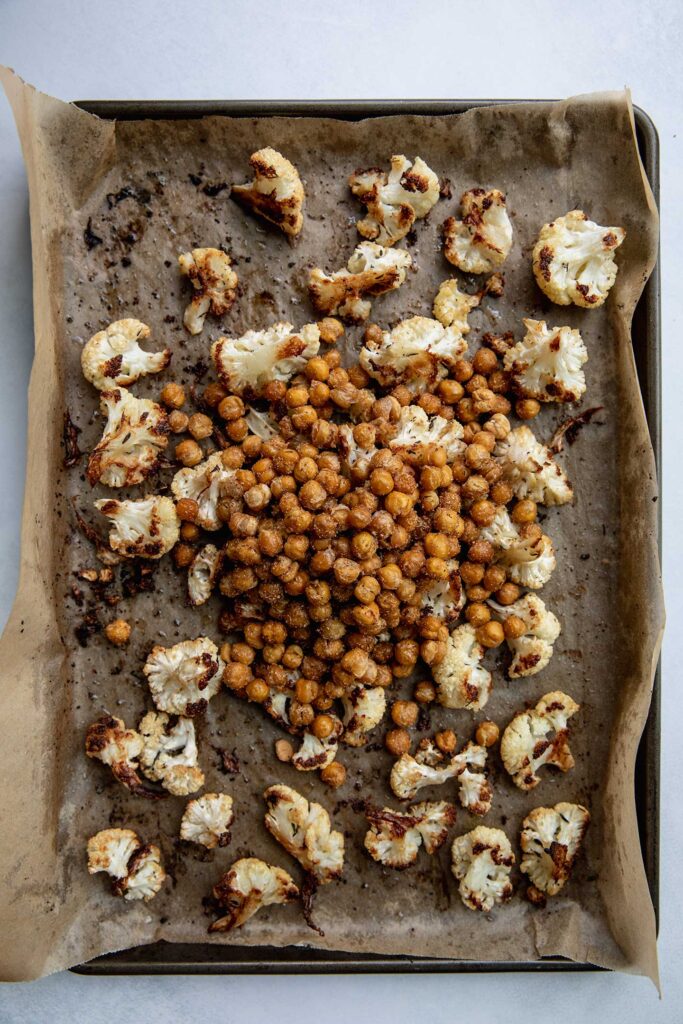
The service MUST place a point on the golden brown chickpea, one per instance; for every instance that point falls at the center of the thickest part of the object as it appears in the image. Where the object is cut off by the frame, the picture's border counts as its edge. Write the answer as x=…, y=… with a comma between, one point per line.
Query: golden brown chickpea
x=214, y=393
x=531, y=532
x=481, y=551
x=501, y=492
x=231, y=408
x=514, y=627
x=407, y=652
x=232, y=458
x=346, y=570
x=367, y=589
x=284, y=751
x=424, y=692
x=525, y=511
x=432, y=652
x=242, y=653
x=317, y=369
x=494, y=578
x=306, y=690
x=471, y=574
x=330, y=330
x=189, y=532
x=397, y=741
x=527, y=408
x=333, y=775
x=487, y=734
x=483, y=512
x=118, y=632
x=178, y=421
x=187, y=510
x=463, y=370
x=237, y=430
x=322, y=727
x=490, y=634
x=446, y=741
x=477, y=614
x=200, y=426
x=257, y=690
x=237, y=676
x=188, y=453
x=475, y=488
x=485, y=361
x=381, y=482
x=477, y=594
x=173, y=395
x=404, y=713
x=183, y=555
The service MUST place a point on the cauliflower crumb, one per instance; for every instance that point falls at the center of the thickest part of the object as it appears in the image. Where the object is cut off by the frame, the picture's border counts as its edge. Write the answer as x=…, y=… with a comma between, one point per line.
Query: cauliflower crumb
x=394, y=201
x=546, y=364
x=551, y=840
x=531, y=470
x=364, y=708
x=415, y=429
x=206, y=483
x=207, y=819
x=143, y=527
x=135, y=867
x=573, y=260
x=418, y=352
x=109, y=741
x=276, y=193
x=481, y=241
x=201, y=576
x=135, y=434
x=371, y=270
x=169, y=753
x=394, y=837
x=113, y=357
x=214, y=283
x=429, y=767
x=184, y=678
x=525, y=747
x=461, y=679
x=304, y=830
x=482, y=861
x=245, y=365
x=533, y=650
x=249, y=885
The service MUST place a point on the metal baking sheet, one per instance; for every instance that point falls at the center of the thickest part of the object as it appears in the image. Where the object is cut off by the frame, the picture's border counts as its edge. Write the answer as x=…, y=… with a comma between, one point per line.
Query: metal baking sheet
x=177, y=958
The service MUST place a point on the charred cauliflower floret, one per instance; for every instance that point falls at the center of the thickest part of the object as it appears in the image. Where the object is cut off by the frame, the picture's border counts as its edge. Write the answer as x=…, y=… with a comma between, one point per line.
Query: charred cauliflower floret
x=135, y=868
x=546, y=363
x=113, y=357
x=304, y=830
x=481, y=241
x=482, y=861
x=364, y=708
x=551, y=840
x=530, y=469
x=372, y=270
x=530, y=563
x=525, y=746
x=206, y=484
x=169, y=753
x=573, y=260
x=214, y=283
x=415, y=429
x=249, y=885
x=107, y=740
x=429, y=767
x=394, y=201
x=184, y=678
x=207, y=819
x=276, y=193
x=531, y=651
x=443, y=598
x=201, y=576
x=418, y=352
x=315, y=753
x=142, y=528
x=134, y=437
x=461, y=679
x=394, y=837
x=245, y=365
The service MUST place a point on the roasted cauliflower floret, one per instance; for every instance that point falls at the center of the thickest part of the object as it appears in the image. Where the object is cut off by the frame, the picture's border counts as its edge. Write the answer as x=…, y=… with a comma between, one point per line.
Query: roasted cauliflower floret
x=394, y=201
x=304, y=830
x=443, y=598
x=249, y=885
x=169, y=753
x=107, y=740
x=245, y=365
x=394, y=837
x=501, y=531
x=207, y=819
x=184, y=678
x=276, y=193
x=532, y=651
x=214, y=283
x=143, y=528
x=364, y=708
x=530, y=469
x=134, y=437
x=201, y=576
x=206, y=484
x=110, y=850
x=371, y=270
x=452, y=307
x=481, y=241
x=573, y=260
x=461, y=679
x=546, y=364
x=415, y=429
x=351, y=451
x=525, y=746
x=146, y=874
x=530, y=563
x=113, y=357
x=551, y=840
x=429, y=767
x=482, y=860
x=418, y=352
x=135, y=867
x=315, y=753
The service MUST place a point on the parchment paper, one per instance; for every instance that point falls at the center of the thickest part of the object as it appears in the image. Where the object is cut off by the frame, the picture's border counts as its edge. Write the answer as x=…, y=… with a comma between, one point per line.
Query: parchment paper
x=548, y=158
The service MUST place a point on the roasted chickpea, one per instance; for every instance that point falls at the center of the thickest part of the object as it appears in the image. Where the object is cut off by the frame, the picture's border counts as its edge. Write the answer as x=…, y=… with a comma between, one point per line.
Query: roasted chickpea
x=188, y=453
x=525, y=511
x=514, y=627
x=494, y=578
x=527, y=408
x=178, y=421
x=231, y=408
x=257, y=690
x=118, y=632
x=397, y=741
x=424, y=692
x=487, y=734
x=284, y=751
x=481, y=551
x=404, y=713
x=189, y=532
x=322, y=727
x=173, y=395
x=483, y=512
x=237, y=676
x=183, y=555
x=485, y=361
x=333, y=774
x=490, y=634
x=200, y=426
x=477, y=614
x=446, y=741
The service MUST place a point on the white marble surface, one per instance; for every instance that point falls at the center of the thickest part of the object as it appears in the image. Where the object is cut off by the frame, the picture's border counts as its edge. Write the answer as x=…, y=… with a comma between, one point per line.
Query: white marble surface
x=435, y=48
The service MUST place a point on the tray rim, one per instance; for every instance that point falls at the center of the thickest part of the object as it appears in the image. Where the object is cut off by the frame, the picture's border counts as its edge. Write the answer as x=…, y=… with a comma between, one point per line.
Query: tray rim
x=284, y=960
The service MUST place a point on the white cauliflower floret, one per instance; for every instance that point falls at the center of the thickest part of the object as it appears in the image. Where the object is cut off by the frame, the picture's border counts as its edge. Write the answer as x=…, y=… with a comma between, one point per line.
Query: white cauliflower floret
x=245, y=365
x=551, y=839
x=452, y=307
x=418, y=352
x=135, y=434
x=394, y=837
x=214, y=283
x=304, y=830
x=530, y=469
x=481, y=861
x=249, y=885
x=145, y=876
x=481, y=241
x=143, y=528
x=573, y=260
x=276, y=193
x=530, y=563
x=474, y=789
x=533, y=650
x=169, y=754
x=206, y=484
x=315, y=753
x=351, y=450
x=416, y=429
x=207, y=819
x=109, y=741
x=364, y=708
x=110, y=850
x=461, y=679
x=201, y=576
x=525, y=747
x=429, y=767
x=394, y=200
x=184, y=678
x=135, y=867
x=113, y=357
x=443, y=598
x=546, y=364
x=501, y=531
x=371, y=270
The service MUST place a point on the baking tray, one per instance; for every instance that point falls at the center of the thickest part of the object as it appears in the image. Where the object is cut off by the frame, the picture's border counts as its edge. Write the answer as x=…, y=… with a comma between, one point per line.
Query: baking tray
x=181, y=958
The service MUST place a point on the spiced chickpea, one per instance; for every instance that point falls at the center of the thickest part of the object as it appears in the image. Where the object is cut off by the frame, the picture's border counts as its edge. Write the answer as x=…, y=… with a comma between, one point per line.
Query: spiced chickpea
x=301, y=714
x=230, y=408
x=525, y=511
x=200, y=426
x=451, y=391
x=306, y=690
x=257, y=690
x=432, y=652
x=424, y=692
x=490, y=634
x=527, y=408
x=501, y=492
x=487, y=734
x=483, y=512
x=173, y=395
x=404, y=713
x=333, y=774
x=232, y=458
x=397, y=741
x=183, y=555
x=477, y=594
x=494, y=578
x=178, y=421
x=477, y=614
x=237, y=676
x=481, y=551
x=446, y=741
x=118, y=632
x=189, y=532
x=514, y=627
x=463, y=370
x=322, y=727
x=188, y=453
